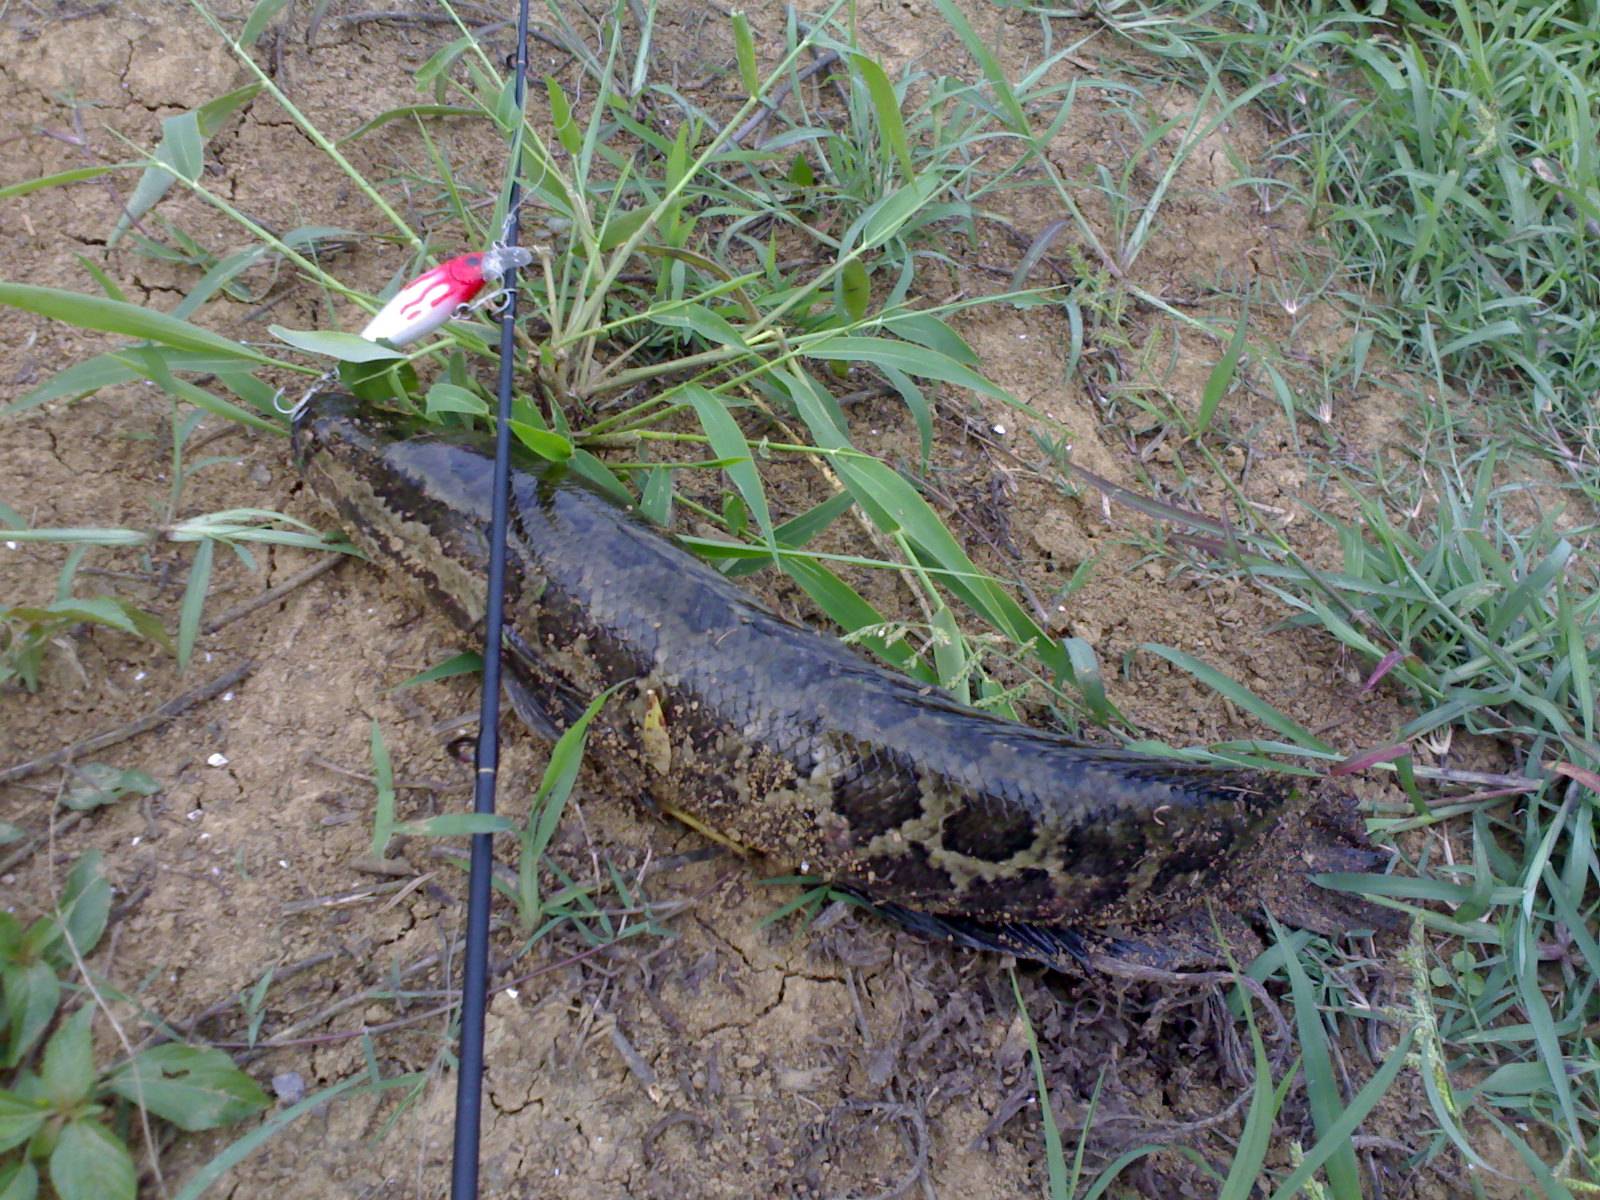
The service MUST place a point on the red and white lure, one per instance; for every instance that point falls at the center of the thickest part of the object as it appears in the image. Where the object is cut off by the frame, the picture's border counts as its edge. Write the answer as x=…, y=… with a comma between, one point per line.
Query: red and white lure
x=436, y=296
x=448, y=291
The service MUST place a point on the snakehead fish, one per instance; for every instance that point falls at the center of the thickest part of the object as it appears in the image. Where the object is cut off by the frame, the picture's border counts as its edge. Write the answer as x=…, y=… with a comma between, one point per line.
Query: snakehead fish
x=785, y=741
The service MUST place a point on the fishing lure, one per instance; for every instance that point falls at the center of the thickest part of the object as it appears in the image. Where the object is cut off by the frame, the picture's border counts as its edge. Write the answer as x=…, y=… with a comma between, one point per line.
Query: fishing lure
x=438, y=295
x=453, y=289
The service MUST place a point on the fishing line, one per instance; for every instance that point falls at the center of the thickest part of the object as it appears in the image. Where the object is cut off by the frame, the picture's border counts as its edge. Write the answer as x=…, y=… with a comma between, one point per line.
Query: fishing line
x=475, y=973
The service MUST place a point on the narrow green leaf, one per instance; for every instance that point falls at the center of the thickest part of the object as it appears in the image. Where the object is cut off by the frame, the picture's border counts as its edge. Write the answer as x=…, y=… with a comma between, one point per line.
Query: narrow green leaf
x=886, y=105
x=1337, y=1136
x=885, y=218
x=709, y=325
x=744, y=50
x=1055, y=1155
x=465, y=663
x=383, y=820
x=548, y=802
x=992, y=70
x=622, y=226
x=346, y=347
x=1322, y=1086
x=194, y=600
x=77, y=174
x=456, y=825
x=567, y=132
x=1221, y=376
x=194, y=1087
x=182, y=147
x=107, y=284
x=450, y=398
x=1240, y=696
x=1265, y=1101
x=214, y=113
x=1089, y=681
x=655, y=503
x=80, y=379
x=110, y=316
x=543, y=442
x=1542, y=1020
x=918, y=361
x=950, y=655
x=921, y=411
x=420, y=111
x=236, y=1152
x=848, y=609
x=728, y=441
x=260, y=17
x=927, y=330
x=91, y=1163
x=854, y=290
x=798, y=531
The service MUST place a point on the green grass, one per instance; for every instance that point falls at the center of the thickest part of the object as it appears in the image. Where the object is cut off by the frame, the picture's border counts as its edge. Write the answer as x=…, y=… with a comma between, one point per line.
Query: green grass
x=1449, y=154
x=707, y=281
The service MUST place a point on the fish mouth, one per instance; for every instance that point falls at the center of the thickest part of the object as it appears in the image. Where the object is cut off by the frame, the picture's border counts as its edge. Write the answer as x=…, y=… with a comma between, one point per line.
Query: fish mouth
x=332, y=421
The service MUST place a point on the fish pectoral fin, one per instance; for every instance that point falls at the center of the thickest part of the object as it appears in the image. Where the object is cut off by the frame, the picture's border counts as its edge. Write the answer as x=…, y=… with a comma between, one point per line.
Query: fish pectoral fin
x=546, y=704
x=528, y=709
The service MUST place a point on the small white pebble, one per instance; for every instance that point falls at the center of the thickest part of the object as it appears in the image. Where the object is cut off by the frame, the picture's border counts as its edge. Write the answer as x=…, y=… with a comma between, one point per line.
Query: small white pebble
x=289, y=1087
x=283, y=862
x=1022, y=337
x=512, y=992
x=217, y=760
x=227, y=696
x=1000, y=429
x=11, y=545
x=216, y=870
x=195, y=814
x=204, y=836
x=135, y=840
x=804, y=866
x=208, y=656
x=138, y=676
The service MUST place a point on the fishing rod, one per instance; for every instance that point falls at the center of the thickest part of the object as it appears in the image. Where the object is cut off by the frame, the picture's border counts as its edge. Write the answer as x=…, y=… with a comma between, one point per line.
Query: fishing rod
x=451, y=290
x=475, y=973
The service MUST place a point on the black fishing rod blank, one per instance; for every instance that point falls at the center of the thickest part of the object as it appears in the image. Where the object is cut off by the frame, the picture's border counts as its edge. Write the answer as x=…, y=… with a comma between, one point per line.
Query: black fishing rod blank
x=475, y=972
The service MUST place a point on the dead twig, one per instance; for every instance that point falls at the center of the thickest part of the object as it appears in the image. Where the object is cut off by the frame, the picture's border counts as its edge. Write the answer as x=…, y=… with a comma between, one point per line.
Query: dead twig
x=175, y=707
x=1111, y=965
x=769, y=108
x=275, y=593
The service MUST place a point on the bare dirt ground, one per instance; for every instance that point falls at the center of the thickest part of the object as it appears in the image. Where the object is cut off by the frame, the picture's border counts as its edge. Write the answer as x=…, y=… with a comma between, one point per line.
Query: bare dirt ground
x=726, y=1058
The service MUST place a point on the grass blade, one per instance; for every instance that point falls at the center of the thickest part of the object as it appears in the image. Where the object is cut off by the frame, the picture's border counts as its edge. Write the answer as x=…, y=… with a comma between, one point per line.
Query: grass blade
x=194, y=600
x=1322, y=1087
x=111, y=316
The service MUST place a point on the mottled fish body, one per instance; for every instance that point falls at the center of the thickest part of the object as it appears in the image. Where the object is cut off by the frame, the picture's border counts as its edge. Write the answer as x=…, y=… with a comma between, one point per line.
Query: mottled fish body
x=784, y=740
